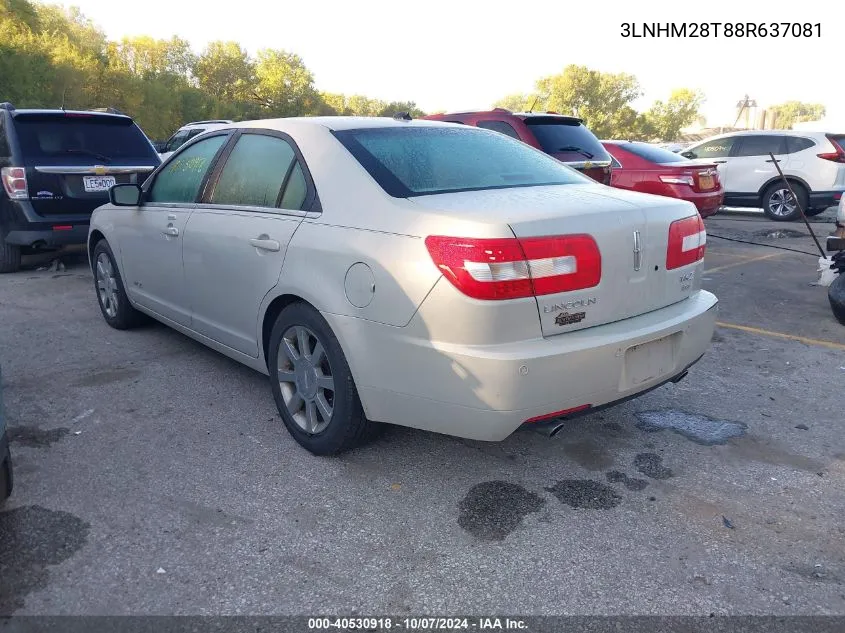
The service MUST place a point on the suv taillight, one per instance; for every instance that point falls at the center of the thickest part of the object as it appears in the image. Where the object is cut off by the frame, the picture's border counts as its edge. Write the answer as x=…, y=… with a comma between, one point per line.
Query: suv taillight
x=687, y=242
x=511, y=268
x=14, y=182
x=838, y=156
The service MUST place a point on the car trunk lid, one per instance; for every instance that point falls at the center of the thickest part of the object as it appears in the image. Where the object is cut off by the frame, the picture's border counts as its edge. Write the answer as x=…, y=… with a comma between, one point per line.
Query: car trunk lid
x=631, y=231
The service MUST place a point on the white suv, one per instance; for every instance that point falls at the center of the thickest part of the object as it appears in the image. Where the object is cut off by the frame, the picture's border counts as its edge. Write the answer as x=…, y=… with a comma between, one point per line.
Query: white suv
x=813, y=162
x=187, y=132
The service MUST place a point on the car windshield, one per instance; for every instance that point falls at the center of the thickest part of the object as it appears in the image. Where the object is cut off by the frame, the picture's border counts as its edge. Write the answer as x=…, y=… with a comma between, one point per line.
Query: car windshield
x=653, y=153
x=82, y=139
x=557, y=135
x=415, y=161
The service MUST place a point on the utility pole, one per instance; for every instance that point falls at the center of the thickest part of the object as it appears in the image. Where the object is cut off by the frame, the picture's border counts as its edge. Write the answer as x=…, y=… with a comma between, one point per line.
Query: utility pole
x=743, y=106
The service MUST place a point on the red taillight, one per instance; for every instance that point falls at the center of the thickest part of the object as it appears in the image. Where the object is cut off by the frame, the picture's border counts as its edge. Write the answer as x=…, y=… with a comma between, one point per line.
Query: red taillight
x=511, y=268
x=14, y=182
x=836, y=157
x=558, y=414
x=63, y=227
x=687, y=241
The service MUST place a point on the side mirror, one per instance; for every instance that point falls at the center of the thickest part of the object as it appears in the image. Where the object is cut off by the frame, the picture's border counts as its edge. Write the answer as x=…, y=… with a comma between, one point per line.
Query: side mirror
x=125, y=195
x=688, y=154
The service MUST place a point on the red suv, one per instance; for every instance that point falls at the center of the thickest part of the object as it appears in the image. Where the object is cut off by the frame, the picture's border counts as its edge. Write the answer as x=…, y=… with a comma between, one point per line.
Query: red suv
x=564, y=137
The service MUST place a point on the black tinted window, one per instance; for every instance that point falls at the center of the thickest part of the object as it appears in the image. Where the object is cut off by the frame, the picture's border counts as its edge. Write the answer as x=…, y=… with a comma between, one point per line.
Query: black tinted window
x=254, y=172
x=499, y=126
x=177, y=140
x=4, y=144
x=718, y=148
x=181, y=178
x=653, y=153
x=82, y=139
x=556, y=136
x=413, y=161
x=761, y=145
x=797, y=144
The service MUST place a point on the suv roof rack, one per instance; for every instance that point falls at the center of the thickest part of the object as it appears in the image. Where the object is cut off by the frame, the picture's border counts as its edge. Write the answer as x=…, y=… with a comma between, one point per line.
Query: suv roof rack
x=6, y=106
x=208, y=122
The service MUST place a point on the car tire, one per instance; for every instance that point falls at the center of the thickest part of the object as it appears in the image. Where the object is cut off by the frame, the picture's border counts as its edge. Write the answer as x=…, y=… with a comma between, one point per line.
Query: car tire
x=111, y=295
x=836, y=296
x=10, y=256
x=777, y=201
x=309, y=376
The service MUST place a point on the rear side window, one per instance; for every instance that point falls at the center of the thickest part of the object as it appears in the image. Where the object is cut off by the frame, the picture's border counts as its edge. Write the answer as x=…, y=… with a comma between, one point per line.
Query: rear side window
x=499, y=126
x=82, y=139
x=761, y=145
x=653, y=153
x=255, y=172
x=798, y=144
x=181, y=178
x=717, y=148
x=556, y=135
x=415, y=161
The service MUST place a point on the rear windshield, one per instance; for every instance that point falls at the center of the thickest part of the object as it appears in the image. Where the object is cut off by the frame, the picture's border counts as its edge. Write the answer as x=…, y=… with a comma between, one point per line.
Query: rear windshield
x=839, y=139
x=416, y=161
x=653, y=153
x=82, y=139
x=556, y=136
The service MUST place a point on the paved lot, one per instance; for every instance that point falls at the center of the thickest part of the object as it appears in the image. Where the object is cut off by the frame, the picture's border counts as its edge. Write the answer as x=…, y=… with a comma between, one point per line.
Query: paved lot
x=154, y=476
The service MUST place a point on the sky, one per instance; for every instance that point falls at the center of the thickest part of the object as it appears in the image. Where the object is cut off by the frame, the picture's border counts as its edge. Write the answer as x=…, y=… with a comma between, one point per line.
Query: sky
x=454, y=55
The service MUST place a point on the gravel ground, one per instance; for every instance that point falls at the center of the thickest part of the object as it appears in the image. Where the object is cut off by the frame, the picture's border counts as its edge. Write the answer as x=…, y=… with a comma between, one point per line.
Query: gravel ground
x=153, y=476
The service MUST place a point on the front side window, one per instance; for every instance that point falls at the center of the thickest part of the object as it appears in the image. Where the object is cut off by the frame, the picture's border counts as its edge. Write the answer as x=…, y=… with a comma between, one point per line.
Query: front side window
x=761, y=145
x=176, y=141
x=499, y=126
x=181, y=178
x=718, y=148
x=255, y=172
x=415, y=161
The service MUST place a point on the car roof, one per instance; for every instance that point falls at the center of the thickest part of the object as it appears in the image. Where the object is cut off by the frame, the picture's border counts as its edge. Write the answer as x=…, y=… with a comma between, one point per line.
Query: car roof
x=338, y=123
x=501, y=112
x=37, y=111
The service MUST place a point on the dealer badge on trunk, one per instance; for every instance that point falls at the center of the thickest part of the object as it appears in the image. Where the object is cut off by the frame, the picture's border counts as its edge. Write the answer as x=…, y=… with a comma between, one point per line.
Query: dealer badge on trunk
x=564, y=318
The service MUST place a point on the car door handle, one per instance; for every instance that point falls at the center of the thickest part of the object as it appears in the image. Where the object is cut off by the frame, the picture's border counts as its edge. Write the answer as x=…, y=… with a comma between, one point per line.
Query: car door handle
x=720, y=162
x=265, y=244
x=170, y=231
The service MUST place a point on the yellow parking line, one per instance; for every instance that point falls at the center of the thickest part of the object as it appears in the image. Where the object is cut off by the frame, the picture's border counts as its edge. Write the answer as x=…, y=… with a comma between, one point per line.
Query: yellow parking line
x=712, y=251
x=742, y=263
x=790, y=337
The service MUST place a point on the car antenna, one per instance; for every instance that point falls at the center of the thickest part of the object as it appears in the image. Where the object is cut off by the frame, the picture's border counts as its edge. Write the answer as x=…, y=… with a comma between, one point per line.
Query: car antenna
x=531, y=109
x=402, y=116
x=64, y=94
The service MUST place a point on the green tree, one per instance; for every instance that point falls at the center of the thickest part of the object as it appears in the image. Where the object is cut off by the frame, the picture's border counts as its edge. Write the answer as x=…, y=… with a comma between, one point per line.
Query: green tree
x=664, y=121
x=791, y=112
x=600, y=99
x=395, y=107
x=225, y=71
x=147, y=57
x=284, y=86
x=519, y=102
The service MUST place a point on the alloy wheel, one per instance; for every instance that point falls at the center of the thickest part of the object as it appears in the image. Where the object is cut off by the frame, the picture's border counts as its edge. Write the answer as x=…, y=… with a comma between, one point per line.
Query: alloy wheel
x=305, y=378
x=782, y=203
x=107, y=285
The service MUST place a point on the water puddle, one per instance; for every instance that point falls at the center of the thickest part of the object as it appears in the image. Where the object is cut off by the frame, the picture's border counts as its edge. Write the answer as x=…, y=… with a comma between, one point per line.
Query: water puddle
x=585, y=493
x=493, y=509
x=651, y=465
x=698, y=428
x=631, y=483
x=33, y=437
x=779, y=234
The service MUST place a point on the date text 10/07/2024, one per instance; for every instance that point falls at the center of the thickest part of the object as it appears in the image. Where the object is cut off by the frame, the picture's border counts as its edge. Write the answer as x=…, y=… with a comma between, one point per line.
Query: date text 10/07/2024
x=721, y=29
x=417, y=624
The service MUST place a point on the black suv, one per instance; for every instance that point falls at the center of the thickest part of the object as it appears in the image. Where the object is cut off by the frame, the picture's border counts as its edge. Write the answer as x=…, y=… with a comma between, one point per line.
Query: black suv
x=56, y=167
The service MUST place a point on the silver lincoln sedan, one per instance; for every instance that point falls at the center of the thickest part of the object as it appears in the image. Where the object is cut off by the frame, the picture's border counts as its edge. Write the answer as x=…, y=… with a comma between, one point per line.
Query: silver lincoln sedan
x=419, y=273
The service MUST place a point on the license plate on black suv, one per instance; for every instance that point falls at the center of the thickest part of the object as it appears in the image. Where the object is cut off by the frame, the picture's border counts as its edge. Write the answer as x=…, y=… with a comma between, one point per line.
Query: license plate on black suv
x=98, y=183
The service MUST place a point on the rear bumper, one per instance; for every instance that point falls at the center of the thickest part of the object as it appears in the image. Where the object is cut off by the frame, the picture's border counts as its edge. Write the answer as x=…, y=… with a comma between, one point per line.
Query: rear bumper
x=487, y=392
x=77, y=234
x=706, y=203
x=22, y=225
x=824, y=199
